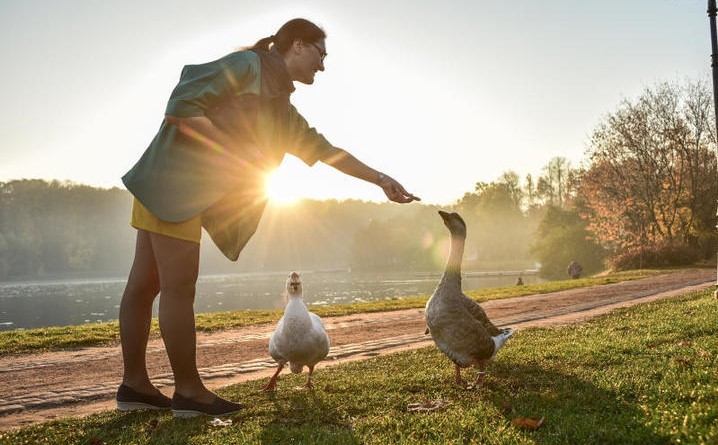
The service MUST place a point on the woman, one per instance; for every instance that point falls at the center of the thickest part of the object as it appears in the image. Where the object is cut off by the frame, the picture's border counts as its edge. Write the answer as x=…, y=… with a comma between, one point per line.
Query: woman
x=228, y=122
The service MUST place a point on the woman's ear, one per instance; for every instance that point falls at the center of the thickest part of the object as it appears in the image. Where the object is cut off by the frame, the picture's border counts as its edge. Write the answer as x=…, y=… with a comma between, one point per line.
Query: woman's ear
x=297, y=46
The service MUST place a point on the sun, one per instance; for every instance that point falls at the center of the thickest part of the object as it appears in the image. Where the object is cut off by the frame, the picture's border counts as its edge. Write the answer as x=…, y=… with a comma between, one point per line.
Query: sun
x=281, y=188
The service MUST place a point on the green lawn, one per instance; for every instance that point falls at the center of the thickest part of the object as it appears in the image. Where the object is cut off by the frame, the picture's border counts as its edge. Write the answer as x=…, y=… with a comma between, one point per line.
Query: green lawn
x=641, y=375
x=98, y=334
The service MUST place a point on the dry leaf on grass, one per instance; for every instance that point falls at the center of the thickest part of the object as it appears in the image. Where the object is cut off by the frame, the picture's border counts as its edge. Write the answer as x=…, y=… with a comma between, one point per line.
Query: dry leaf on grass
x=427, y=406
x=527, y=423
x=219, y=423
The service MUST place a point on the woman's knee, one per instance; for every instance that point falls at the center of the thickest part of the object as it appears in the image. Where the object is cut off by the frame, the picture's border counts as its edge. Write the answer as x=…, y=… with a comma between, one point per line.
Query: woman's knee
x=177, y=291
x=144, y=277
x=142, y=288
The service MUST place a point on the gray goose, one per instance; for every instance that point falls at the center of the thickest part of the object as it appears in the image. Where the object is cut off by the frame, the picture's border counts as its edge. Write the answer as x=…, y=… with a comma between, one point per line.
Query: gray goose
x=458, y=325
x=299, y=339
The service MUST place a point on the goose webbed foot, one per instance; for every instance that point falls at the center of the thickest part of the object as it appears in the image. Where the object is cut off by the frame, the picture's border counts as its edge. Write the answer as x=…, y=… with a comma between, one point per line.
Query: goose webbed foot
x=480, y=376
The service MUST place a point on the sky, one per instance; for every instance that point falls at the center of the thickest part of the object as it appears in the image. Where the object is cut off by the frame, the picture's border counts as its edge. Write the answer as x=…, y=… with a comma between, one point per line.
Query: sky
x=438, y=94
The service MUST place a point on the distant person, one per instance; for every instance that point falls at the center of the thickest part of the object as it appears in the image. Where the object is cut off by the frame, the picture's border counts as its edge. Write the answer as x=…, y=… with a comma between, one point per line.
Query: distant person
x=520, y=281
x=227, y=124
x=574, y=269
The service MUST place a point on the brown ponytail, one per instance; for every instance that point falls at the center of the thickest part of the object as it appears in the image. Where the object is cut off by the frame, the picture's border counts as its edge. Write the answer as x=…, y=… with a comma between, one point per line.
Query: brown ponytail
x=263, y=44
x=295, y=29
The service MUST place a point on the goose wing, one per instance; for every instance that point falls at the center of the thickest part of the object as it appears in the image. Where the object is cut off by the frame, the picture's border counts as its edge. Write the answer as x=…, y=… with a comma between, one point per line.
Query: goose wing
x=457, y=333
x=275, y=342
x=477, y=313
x=321, y=337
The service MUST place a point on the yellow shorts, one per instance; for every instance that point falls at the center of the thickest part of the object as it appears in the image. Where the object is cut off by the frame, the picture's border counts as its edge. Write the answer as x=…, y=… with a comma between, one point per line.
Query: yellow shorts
x=190, y=230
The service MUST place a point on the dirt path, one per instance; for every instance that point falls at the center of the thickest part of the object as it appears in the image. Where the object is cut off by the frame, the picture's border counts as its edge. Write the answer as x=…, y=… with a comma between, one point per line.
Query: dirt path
x=39, y=387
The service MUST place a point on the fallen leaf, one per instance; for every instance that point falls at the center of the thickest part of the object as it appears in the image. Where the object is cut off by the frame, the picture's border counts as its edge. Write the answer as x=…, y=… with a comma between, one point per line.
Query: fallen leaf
x=683, y=361
x=96, y=441
x=703, y=353
x=685, y=343
x=527, y=423
x=427, y=406
x=219, y=423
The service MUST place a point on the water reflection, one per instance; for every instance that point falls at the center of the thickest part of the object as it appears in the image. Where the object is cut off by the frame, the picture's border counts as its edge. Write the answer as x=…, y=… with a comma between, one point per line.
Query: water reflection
x=60, y=303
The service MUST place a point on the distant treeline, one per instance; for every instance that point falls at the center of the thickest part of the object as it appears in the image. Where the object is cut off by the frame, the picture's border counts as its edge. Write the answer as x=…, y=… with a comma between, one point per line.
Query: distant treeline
x=56, y=229
x=62, y=229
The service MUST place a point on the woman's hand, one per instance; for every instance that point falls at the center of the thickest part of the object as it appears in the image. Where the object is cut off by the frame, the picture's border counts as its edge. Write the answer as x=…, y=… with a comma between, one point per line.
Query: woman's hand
x=348, y=164
x=395, y=191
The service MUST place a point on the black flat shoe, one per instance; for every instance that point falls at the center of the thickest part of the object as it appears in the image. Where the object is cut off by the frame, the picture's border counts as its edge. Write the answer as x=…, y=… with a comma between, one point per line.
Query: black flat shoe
x=185, y=408
x=130, y=400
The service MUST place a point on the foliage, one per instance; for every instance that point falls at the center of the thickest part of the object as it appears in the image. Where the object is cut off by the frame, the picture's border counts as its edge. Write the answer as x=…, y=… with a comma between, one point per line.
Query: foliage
x=642, y=375
x=563, y=237
x=652, y=168
x=62, y=229
x=59, y=228
x=656, y=256
x=558, y=184
x=399, y=243
x=498, y=229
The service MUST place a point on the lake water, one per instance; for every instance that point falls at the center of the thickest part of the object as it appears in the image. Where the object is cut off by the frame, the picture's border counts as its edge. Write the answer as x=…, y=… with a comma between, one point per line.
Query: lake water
x=71, y=302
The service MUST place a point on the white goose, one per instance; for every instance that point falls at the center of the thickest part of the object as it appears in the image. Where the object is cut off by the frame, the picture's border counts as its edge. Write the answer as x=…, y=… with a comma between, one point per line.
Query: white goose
x=299, y=339
x=458, y=325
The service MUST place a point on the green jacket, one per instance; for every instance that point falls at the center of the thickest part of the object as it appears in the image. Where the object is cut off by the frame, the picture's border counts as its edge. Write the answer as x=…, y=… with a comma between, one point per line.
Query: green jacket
x=182, y=175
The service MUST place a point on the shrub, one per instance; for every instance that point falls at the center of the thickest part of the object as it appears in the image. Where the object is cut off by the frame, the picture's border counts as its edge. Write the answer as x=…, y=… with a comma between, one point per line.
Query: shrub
x=673, y=254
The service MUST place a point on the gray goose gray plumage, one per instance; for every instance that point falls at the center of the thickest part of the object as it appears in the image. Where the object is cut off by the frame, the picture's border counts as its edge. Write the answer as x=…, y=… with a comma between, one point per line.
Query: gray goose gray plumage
x=458, y=324
x=299, y=338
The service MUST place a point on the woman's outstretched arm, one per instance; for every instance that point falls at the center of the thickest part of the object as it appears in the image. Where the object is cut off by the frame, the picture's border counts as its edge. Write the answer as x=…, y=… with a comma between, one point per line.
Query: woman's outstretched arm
x=346, y=163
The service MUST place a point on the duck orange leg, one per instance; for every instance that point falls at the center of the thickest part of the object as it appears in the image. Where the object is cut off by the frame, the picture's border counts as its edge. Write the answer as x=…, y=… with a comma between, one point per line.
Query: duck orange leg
x=272, y=384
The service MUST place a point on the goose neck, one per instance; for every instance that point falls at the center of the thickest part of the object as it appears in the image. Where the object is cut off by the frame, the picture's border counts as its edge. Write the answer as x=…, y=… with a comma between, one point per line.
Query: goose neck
x=456, y=254
x=296, y=305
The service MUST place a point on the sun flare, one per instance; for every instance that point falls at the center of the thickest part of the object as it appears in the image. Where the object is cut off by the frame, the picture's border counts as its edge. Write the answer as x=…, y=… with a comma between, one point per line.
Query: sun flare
x=281, y=189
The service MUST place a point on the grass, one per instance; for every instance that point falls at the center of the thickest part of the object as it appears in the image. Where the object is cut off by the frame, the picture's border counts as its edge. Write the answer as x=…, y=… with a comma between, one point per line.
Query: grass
x=107, y=333
x=641, y=375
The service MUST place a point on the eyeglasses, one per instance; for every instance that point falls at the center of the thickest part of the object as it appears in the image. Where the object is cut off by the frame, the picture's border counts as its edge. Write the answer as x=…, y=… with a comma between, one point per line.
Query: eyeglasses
x=322, y=53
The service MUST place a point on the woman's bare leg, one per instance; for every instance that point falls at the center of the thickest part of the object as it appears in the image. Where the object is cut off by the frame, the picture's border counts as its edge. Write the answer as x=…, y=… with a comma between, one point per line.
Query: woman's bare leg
x=136, y=314
x=178, y=267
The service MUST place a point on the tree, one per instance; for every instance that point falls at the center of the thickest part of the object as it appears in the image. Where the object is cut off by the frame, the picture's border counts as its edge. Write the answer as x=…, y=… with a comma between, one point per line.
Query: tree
x=530, y=192
x=497, y=229
x=398, y=243
x=558, y=183
x=563, y=236
x=652, y=168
